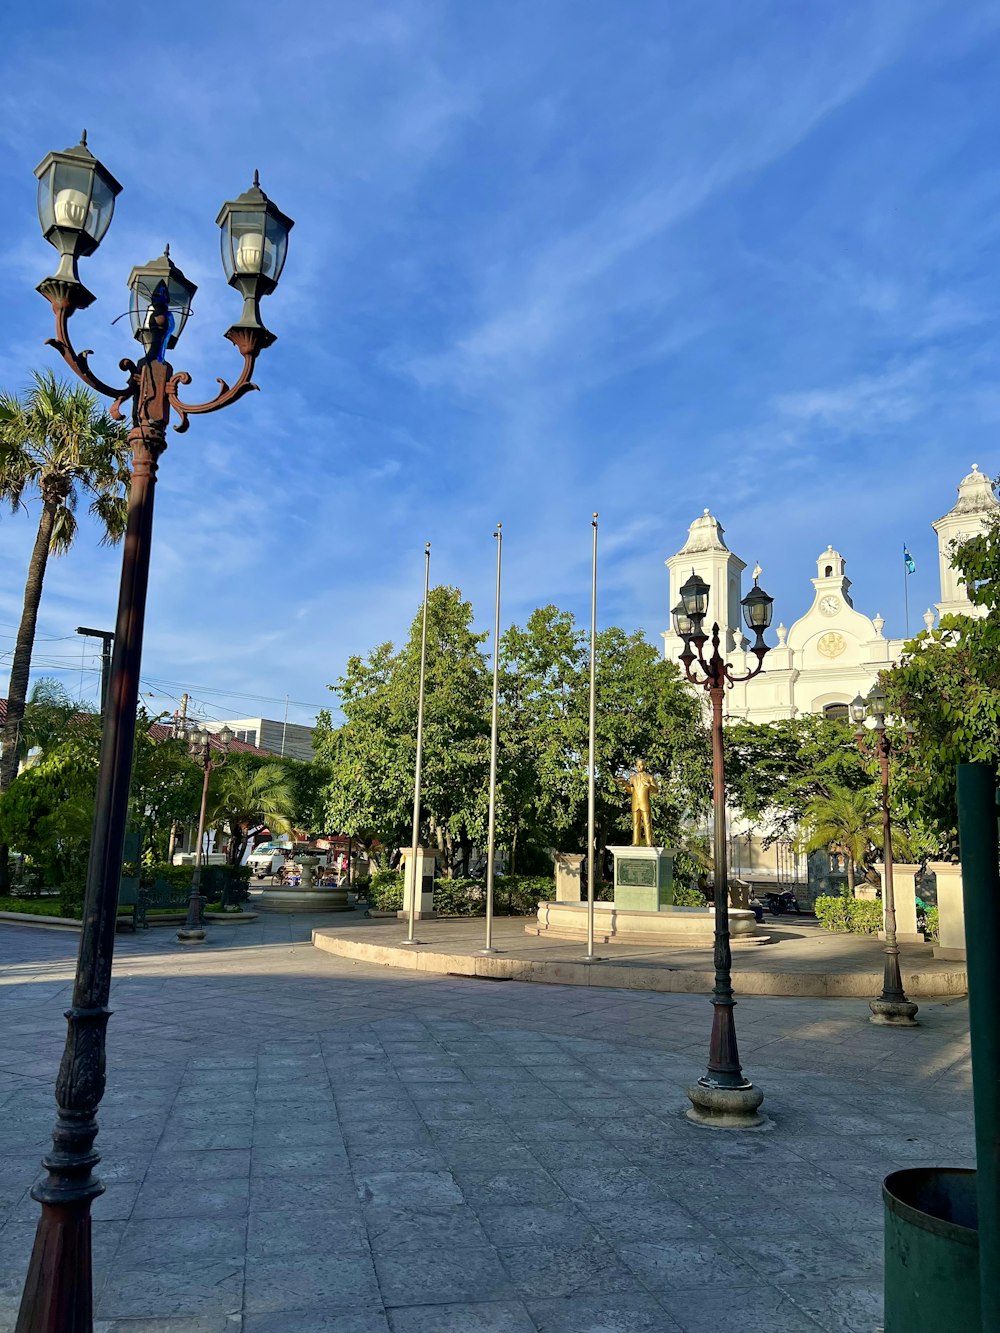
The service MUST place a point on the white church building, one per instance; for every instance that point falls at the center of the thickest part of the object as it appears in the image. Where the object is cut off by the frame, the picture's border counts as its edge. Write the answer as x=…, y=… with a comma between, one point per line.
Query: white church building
x=833, y=651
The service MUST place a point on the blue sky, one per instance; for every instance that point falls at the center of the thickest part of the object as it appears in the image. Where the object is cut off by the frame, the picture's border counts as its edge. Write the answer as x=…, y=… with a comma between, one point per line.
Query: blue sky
x=549, y=257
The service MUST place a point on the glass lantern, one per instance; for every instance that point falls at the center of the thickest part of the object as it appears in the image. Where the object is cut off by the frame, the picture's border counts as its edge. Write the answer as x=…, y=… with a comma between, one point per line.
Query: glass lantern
x=254, y=247
x=757, y=608
x=694, y=596
x=160, y=299
x=76, y=200
x=683, y=626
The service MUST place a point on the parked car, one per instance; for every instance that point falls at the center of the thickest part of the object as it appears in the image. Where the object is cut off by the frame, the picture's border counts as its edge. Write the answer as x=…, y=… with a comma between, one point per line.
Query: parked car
x=267, y=859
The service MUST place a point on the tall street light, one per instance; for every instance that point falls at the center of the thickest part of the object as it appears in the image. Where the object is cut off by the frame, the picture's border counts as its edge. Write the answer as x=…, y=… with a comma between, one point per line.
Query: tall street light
x=891, y=1008
x=491, y=827
x=724, y=1097
x=209, y=753
x=76, y=197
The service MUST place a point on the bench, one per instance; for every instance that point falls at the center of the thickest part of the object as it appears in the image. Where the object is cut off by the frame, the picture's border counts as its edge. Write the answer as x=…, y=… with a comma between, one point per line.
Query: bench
x=160, y=894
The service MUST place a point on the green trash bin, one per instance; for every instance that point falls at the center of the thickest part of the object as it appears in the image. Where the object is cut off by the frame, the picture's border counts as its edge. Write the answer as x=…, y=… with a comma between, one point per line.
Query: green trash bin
x=931, y=1251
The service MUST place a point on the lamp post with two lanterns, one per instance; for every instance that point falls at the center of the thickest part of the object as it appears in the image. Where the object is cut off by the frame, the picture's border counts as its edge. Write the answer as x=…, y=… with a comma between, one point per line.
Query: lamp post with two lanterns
x=209, y=752
x=724, y=1096
x=76, y=199
x=891, y=1008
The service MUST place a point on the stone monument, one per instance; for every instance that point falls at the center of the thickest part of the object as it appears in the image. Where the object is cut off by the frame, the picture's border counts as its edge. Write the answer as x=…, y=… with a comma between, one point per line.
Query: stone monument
x=425, y=866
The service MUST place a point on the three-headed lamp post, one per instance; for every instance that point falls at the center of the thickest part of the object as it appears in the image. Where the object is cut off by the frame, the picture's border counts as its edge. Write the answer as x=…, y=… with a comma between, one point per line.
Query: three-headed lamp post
x=209, y=752
x=891, y=1008
x=724, y=1097
x=76, y=199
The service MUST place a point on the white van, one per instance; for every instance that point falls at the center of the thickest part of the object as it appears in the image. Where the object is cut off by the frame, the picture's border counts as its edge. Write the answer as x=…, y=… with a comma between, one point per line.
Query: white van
x=267, y=859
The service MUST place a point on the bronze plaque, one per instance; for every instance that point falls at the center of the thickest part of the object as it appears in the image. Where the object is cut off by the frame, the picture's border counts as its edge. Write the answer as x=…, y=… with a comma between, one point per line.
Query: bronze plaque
x=641, y=873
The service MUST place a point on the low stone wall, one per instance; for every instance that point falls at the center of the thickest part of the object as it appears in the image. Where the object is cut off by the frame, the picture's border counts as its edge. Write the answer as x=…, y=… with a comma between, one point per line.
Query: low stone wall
x=678, y=927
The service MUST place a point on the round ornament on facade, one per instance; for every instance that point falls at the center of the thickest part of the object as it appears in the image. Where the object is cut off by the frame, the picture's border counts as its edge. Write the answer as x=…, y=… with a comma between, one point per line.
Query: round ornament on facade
x=831, y=645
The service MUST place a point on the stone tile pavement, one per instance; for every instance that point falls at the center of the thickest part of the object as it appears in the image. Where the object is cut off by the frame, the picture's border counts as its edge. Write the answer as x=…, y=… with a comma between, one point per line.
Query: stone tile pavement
x=294, y=1142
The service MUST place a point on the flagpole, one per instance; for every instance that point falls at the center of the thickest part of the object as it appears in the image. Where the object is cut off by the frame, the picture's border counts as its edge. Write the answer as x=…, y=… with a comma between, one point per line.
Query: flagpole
x=906, y=589
x=494, y=732
x=415, y=888
x=592, y=749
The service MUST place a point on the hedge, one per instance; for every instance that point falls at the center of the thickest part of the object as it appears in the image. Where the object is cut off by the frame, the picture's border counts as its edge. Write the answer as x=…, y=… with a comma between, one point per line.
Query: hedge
x=514, y=895
x=859, y=916
x=218, y=882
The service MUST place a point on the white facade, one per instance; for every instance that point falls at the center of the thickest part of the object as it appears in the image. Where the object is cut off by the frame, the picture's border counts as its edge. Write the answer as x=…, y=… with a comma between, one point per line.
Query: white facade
x=833, y=651
x=290, y=739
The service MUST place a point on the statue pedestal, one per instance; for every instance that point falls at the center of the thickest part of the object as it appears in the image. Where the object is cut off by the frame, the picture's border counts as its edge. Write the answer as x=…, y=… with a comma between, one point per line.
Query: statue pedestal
x=425, y=867
x=567, y=872
x=644, y=878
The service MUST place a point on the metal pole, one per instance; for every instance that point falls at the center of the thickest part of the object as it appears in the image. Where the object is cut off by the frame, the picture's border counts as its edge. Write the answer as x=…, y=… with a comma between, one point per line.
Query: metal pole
x=415, y=888
x=891, y=1007
x=724, y=1069
x=107, y=638
x=977, y=832
x=494, y=733
x=193, y=929
x=592, y=749
x=58, y=1293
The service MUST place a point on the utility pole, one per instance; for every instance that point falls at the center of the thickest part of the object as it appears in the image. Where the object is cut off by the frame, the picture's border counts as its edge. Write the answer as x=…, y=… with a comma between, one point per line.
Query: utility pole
x=107, y=638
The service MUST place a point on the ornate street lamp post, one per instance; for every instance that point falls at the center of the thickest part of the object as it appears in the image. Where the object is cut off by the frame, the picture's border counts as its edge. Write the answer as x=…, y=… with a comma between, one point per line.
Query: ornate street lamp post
x=724, y=1096
x=891, y=1008
x=76, y=197
x=209, y=753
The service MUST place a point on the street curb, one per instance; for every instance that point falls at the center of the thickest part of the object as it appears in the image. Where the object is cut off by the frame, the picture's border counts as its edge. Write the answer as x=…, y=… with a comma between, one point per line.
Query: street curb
x=625, y=976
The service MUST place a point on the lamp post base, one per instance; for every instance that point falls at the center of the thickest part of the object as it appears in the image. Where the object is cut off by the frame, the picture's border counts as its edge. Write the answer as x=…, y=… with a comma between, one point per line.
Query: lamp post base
x=726, y=1108
x=893, y=1013
x=190, y=935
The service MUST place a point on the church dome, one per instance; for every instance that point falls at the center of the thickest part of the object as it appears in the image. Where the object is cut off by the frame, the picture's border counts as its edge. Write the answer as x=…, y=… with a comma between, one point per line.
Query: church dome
x=975, y=494
x=704, y=534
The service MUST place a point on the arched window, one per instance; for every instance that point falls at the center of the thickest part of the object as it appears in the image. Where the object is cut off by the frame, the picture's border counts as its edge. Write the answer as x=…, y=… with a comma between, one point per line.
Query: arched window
x=828, y=572
x=836, y=712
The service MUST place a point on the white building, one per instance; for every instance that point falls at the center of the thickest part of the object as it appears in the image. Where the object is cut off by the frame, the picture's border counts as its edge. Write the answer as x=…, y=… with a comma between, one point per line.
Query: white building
x=833, y=651
x=290, y=739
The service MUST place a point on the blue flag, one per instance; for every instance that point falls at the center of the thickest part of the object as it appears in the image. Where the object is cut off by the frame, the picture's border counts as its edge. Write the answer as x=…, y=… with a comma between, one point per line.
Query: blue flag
x=908, y=560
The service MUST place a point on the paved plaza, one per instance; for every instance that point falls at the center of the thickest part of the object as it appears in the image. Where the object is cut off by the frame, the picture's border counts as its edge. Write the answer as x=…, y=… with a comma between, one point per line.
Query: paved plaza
x=295, y=1142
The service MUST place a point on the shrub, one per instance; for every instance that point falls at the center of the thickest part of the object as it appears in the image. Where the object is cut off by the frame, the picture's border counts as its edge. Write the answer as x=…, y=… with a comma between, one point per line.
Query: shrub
x=460, y=897
x=933, y=927
x=385, y=891
x=519, y=895
x=686, y=895
x=859, y=916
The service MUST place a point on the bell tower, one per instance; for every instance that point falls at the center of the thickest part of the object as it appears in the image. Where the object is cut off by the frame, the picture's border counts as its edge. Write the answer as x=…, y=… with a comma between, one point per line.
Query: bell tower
x=968, y=517
x=706, y=553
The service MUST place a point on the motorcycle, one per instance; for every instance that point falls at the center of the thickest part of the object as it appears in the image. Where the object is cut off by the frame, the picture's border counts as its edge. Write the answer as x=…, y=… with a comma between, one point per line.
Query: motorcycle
x=780, y=901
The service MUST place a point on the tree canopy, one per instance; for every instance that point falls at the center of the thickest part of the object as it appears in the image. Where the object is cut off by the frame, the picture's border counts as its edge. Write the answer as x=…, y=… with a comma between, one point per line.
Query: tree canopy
x=947, y=687
x=644, y=710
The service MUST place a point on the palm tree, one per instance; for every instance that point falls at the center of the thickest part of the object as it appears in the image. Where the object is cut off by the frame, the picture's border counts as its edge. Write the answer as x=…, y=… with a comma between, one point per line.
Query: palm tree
x=844, y=821
x=56, y=441
x=245, y=794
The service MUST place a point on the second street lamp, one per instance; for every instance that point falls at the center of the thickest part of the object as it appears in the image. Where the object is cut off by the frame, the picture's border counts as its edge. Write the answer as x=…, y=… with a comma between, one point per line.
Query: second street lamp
x=891, y=1008
x=209, y=753
x=76, y=197
x=723, y=1097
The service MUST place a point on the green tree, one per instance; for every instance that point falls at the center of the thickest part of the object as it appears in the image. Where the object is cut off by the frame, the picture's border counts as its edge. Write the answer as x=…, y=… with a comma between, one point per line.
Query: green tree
x=246, y=793
x=843, y=820
x=947, y=687
x=371, y=756
x=51, y=717
x=774, y=769
x=54, y=441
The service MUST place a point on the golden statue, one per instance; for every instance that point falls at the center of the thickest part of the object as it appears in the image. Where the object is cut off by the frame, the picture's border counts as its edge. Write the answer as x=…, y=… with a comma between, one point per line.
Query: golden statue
x=642, y=785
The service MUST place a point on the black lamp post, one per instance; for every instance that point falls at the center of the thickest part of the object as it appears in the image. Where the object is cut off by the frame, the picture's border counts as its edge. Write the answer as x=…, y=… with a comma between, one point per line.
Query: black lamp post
x=209, y=753
x=891, y=1008
x=724, y=1096
x=76, y=196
